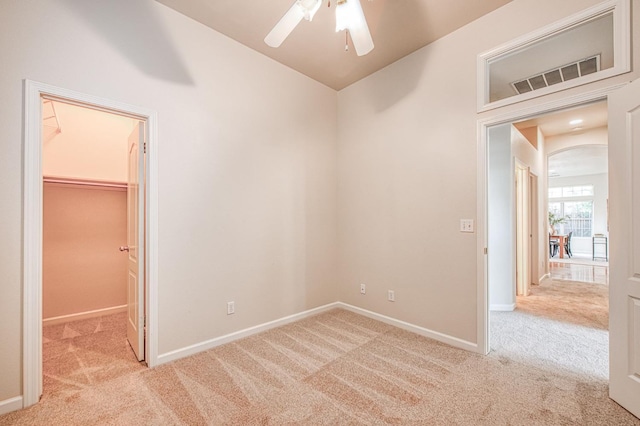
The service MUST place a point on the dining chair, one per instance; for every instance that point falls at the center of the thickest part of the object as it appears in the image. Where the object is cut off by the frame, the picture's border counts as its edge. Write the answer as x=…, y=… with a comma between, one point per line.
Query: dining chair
x=567, y=244
x=554, y=245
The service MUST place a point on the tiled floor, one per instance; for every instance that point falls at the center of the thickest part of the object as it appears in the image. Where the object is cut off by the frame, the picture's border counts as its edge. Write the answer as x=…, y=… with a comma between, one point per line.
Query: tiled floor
x=579, y=269
x=576, y=272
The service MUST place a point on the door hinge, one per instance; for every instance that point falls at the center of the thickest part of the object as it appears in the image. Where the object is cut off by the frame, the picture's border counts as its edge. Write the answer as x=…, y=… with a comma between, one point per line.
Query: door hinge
x=144, y=147
x=485, y=250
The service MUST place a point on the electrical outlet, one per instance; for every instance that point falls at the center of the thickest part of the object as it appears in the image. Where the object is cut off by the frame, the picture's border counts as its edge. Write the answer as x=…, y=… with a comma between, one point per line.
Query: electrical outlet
x=363, y=289
x=466, y=225
x=391, y=296
x=231, y=308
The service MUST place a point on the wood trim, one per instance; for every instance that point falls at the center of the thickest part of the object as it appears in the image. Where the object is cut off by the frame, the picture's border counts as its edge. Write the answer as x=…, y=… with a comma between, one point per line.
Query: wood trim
x=237, y=335
x=621, y=49
x=503, y=308
x=32, y=226
x=435, y=335
x=483, y=124
x=232, y=337
x=32, y=255
x=84, y=315
x=11, y=404
x=84, y=182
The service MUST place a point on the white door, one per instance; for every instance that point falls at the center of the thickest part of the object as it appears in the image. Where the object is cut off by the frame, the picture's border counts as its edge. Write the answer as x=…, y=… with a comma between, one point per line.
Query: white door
x=624, y=273
x=135, y=242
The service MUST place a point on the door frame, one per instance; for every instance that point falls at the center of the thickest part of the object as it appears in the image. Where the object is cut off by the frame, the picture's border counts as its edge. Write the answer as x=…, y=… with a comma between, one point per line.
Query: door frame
x=534, y=229
x=523, y=222
x=32, y=225
x=483, y=125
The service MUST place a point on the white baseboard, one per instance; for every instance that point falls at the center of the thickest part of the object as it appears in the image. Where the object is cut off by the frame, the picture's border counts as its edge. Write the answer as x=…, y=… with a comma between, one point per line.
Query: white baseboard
x=228, y=338
x=84, y=315
x=435, y=335
x=545, y=276
x=502, y=307
x=11, y=404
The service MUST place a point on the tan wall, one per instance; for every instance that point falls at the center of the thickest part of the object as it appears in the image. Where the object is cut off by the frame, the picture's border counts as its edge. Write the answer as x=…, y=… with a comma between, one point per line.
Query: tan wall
x=408, y=170
x=91, y=145
x=83, y=270
x=246, y=150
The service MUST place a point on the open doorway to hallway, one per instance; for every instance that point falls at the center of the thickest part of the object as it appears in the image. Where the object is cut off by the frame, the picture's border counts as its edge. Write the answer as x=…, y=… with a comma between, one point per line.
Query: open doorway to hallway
x=562, y=321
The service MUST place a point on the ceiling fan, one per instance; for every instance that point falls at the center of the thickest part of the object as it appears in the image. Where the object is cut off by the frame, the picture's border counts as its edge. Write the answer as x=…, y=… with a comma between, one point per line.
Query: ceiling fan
x=349, y=16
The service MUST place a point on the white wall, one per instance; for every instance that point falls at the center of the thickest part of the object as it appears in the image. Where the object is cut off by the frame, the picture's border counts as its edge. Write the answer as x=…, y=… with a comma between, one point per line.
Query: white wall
x=500, y=217
x=408, y=166
x=247, y=157
x=506, y=146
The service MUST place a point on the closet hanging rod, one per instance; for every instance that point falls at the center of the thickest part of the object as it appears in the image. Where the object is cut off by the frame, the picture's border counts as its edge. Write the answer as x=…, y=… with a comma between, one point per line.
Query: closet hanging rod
x=85, y=182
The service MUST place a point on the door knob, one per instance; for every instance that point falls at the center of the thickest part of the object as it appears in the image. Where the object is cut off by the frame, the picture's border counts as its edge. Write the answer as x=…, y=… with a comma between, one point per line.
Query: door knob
x=124, y=248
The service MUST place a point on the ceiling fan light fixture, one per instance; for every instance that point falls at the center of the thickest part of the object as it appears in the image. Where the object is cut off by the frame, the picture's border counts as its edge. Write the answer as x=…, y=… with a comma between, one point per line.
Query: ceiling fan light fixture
x=349, y=16
x=309, y=8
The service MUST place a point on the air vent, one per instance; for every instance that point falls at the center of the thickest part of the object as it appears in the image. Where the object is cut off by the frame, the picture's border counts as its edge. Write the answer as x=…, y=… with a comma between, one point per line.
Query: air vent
x=558, y=75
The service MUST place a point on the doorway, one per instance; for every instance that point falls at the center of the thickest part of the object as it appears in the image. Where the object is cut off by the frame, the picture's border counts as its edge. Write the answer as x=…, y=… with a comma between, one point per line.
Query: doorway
x=85, y=202
x=33, y=218
x=550, y=310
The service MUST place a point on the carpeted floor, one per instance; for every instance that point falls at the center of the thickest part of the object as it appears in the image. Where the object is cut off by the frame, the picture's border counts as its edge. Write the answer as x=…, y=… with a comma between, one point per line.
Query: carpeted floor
x=341, y=368
x=82, y=354
x=561, y=324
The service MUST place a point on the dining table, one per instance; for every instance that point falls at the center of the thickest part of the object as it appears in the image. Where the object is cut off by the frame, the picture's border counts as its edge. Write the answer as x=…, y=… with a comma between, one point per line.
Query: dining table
x=561, y=241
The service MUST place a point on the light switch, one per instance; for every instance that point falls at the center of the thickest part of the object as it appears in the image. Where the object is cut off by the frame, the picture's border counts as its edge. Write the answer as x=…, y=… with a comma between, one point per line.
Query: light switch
x=466, y=225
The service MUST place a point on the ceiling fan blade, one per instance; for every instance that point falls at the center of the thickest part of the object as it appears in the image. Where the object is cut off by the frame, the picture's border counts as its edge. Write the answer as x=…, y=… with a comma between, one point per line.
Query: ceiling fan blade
x=285, y=26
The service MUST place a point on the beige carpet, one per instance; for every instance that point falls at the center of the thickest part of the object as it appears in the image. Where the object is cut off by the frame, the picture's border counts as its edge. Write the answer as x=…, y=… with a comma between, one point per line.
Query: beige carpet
x=82, y=354
x=337, y=368
x=560, y=325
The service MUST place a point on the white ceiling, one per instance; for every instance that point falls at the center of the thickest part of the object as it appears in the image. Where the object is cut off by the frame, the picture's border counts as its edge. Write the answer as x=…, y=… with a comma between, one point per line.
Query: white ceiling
x=579, y=161
x=558, y=123
x=582, y=160
x=398, y=28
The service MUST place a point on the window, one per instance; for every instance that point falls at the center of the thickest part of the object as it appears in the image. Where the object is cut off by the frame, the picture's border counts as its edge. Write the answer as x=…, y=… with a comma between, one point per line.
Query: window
x=571, y=191
x=575, y=203
x=579, y=217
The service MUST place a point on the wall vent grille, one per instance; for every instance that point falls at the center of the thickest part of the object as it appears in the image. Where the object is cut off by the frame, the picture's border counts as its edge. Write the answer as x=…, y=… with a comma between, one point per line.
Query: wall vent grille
x=566, y=72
